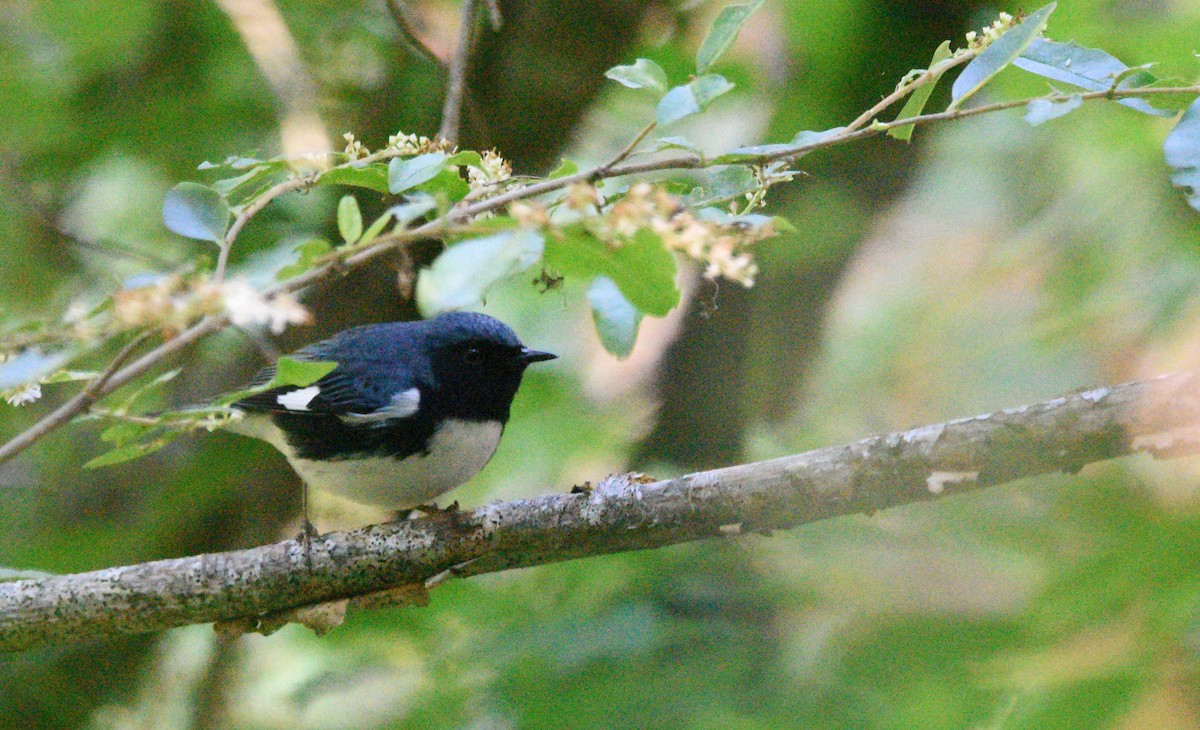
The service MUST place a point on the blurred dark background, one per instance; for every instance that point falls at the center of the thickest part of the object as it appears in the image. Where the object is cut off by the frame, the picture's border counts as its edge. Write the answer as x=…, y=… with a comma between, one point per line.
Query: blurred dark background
x=988, y=264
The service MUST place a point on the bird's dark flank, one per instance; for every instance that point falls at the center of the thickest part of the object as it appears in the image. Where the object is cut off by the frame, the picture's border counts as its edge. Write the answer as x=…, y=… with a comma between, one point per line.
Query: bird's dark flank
x=412, y=410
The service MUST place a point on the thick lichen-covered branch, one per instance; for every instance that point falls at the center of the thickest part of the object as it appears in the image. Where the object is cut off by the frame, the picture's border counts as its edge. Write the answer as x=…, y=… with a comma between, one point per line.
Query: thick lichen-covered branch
x=1159, y=417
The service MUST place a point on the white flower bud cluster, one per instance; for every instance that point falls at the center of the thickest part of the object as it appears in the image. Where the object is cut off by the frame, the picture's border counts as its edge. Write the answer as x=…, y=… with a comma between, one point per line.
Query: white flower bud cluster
x=171, y=303
x=247, y=307
x=411, y=144
x=494, y=169
x=982, y=39
x=355, y=150
x=24, y=394
x=719, y=246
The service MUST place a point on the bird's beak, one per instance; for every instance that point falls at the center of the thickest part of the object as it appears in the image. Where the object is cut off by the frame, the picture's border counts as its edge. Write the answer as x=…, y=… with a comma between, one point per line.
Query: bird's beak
x=528, y=357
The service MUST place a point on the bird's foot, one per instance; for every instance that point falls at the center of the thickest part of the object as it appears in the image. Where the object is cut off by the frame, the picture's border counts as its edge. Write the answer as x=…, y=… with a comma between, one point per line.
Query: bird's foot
x=307, y=531
x=435, y=511
x=432, y=510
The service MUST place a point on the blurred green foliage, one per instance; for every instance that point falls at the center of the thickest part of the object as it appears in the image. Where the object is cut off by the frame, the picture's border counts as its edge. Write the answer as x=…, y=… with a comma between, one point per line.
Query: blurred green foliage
x=989, y=264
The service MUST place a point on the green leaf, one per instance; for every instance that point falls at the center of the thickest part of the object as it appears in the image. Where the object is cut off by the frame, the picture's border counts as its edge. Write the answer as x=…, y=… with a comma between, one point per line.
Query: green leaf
x=299, y=373
x=679, y=143
x=616, y=319
x=723, y=32
x=145, y=389
x=310, y=251
x=750, y=153
x=642, y=74
x=69, y=376
x=373, y=177
x=1087, y=68
x=376, y=227
x=349, y=219
x=1043, y=110
x=466, y=157
x=124, y=432
x=1003, y=51
x=130, y=452
x=803, y=138
x=678, y=103
x=920, y=96
x=709, y=87
x=732, y=181
x=233, y=162
x=642, y=267
x=249, y=184
x=1181, y=150
x=683, y=101
x=461, y=276
x=414, y=206
x=447, y=184
x=566, y=167
x=407, y=174
x=196, y=211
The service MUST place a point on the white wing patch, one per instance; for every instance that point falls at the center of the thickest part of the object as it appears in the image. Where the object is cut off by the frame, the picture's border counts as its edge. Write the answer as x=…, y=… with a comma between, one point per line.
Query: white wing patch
x=298, y=400
x=403, y=404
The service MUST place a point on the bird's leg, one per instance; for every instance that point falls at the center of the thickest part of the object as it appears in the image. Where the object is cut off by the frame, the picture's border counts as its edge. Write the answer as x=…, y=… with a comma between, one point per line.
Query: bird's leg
x=307, y=531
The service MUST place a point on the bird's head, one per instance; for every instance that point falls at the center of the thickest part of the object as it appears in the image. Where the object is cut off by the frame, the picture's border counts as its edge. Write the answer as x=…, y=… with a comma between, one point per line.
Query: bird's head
x=476, y=362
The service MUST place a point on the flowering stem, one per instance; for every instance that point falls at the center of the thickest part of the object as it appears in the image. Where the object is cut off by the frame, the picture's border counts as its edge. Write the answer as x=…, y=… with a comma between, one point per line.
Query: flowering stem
x=927, y=76
x=615, y=168
x=90, y=393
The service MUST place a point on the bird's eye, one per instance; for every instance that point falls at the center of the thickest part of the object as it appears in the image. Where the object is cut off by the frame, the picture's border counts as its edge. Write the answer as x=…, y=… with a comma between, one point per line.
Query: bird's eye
x=473, y=355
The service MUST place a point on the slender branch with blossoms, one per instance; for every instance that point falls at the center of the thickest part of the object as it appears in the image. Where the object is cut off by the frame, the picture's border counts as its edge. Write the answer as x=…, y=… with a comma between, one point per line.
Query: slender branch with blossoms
x=615, y=220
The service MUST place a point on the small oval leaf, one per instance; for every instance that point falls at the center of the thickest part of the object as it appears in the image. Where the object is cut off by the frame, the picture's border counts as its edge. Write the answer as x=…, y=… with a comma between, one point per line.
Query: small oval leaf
x=683, y=101
x=920, y=96
x=1043, y=110
x=1087, y=68
x=460, y=277
x=130, y=452
x=641, y=267
x=196, y=211
x=406, y=174
x=723, y=32
x=349, y=219
x=1003, y=51
x=642, y=74
x=616, y=319
x=373, y=177
x=300, y=373
x=1181, y=150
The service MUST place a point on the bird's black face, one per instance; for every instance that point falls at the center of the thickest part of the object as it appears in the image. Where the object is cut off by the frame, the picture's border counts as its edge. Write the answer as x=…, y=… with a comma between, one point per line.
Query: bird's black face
x=477, y=377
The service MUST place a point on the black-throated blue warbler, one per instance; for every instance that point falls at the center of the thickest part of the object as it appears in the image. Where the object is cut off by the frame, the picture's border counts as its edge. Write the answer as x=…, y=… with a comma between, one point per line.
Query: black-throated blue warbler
x=412, y=410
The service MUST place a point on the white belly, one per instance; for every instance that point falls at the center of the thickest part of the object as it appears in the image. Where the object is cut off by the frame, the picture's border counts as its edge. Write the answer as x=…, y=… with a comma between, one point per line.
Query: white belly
x=457, y=451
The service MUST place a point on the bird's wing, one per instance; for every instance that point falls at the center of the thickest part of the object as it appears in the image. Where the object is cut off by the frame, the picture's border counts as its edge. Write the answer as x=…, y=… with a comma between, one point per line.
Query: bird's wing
x=350, y=391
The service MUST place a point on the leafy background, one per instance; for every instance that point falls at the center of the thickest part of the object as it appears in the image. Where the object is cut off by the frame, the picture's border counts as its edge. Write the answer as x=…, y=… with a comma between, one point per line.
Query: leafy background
x=988, y=264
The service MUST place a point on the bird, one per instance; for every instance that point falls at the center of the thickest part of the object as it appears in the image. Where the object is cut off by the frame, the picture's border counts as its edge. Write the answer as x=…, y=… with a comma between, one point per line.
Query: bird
x=411, y=411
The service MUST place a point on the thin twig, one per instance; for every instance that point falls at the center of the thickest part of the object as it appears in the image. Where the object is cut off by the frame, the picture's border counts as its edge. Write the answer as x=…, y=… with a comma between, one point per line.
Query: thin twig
x=927, y=76
x=1159, y=418
x=433, y=228
x=628, y=150
x=249, y=212
x=76, y=405
x=98, y=389
x=456, y=84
